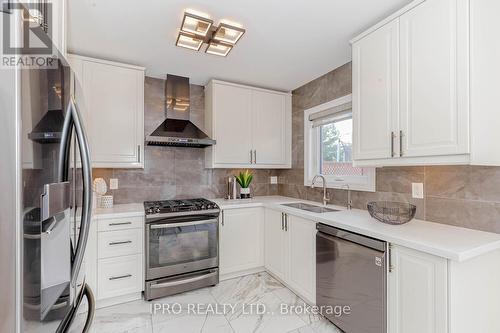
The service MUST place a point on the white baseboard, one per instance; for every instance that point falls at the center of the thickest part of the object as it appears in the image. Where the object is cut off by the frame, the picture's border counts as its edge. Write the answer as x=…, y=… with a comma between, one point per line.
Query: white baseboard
x=241, y=273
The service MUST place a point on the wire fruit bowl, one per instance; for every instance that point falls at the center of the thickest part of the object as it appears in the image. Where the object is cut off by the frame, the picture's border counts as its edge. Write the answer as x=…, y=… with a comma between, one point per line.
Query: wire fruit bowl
x=392, y=212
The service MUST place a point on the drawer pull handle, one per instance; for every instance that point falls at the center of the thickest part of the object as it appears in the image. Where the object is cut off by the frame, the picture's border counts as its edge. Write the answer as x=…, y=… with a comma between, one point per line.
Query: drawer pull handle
x=119, y=223
x=120, y=243
x=120, y=277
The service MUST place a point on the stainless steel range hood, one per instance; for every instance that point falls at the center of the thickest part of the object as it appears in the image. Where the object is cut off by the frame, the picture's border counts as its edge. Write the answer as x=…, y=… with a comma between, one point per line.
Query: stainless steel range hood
x=177, y=129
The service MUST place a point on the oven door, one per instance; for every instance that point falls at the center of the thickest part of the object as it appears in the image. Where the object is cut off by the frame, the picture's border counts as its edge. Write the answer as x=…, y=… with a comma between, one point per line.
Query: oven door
x=182, y=245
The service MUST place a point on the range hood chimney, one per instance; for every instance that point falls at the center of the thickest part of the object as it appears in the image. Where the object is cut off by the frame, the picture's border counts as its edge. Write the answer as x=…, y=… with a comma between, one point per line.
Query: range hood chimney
x=177, y=129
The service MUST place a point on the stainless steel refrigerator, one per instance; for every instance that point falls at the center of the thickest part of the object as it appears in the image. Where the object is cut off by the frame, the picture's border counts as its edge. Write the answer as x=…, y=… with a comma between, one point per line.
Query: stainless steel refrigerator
x=46, y=208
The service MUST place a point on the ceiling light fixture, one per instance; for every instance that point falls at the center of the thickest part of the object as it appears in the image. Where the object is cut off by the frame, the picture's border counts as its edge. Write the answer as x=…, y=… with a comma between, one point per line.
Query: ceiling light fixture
x=198, y=28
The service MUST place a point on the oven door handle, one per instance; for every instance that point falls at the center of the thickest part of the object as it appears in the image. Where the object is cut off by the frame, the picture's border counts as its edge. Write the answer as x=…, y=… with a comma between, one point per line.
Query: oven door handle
x=183, y=224
x=183, y=281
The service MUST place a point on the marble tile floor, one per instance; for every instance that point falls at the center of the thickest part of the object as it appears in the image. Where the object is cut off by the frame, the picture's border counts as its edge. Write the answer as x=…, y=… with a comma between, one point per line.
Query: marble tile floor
x=250, y=303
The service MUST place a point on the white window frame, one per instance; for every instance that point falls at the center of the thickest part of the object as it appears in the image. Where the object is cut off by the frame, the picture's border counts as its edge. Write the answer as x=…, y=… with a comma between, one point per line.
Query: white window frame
x=312, y=152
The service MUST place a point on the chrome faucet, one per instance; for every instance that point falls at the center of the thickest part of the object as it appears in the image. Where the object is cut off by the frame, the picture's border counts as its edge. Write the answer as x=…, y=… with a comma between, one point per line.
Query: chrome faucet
x=349, y=201
x=325, y=197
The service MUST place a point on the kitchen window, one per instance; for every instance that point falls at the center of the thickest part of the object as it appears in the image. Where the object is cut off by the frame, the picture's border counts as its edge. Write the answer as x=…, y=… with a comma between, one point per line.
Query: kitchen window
x=328, y=147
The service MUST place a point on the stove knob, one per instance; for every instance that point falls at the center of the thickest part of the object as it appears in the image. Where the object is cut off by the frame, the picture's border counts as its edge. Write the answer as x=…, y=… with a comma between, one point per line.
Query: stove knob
x=150, y=211
x=157, y=209
x=203, y=207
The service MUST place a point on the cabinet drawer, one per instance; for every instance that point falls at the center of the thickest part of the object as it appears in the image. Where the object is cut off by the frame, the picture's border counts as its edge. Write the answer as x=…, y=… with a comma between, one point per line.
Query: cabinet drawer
x=119, y=243
x=121, y=223
x=119, y=276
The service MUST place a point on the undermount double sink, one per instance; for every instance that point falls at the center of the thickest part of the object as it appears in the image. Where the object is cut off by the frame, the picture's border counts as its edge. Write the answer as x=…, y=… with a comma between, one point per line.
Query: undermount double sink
x=310, y=208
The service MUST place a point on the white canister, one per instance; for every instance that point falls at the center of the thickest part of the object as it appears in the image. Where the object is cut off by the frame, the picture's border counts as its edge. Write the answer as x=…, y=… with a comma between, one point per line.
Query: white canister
x=106, y=201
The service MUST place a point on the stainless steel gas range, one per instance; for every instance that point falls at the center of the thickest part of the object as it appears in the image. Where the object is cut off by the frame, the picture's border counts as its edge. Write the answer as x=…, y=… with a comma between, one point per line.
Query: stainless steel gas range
x=182, y=246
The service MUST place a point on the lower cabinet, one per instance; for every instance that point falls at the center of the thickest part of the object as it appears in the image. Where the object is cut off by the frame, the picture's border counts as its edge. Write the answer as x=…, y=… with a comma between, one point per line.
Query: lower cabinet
x=114, y=263
x=417, y=292
x=301, y=256
x=119, y=276
x=275, y=243
x=241, y=237
x=290, y=252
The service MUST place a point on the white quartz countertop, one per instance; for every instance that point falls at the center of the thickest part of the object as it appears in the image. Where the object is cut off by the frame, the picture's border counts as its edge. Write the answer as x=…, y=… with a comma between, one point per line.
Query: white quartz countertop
x=442, y=240
x=121, y=210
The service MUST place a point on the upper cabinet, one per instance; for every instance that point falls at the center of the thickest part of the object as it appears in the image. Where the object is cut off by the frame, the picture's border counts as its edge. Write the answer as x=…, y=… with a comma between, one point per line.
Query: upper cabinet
x=434, y=113
x=110, y=97
x=411, y=87
x=251, y=126
x=375, y=91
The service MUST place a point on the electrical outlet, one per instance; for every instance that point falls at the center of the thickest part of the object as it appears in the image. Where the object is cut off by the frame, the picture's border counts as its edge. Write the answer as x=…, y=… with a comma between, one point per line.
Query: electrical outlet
x=113, y=183
x=273, y=179
x=417, y=190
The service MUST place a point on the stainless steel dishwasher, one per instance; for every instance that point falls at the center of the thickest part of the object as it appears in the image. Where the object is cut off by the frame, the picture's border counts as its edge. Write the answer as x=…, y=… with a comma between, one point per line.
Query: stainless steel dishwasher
x=351, y=271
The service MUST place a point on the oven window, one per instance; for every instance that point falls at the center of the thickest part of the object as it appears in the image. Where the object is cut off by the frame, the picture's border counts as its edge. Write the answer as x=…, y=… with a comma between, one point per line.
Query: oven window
x=173, y=245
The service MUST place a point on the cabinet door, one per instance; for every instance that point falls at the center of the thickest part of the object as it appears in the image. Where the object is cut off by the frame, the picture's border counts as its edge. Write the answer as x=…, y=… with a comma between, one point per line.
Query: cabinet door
x=270, y=120
x=375, y=92
x=113, y=104
x=241, y=240
x=434, y=88
x=232, y=124
x=301, y=256
x=417, y=292
x=275, y=244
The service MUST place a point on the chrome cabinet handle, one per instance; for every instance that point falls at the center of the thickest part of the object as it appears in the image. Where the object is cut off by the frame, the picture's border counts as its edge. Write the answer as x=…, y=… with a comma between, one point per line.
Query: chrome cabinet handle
x=120, y=243
x=222, y=218
x=251, y=156
x=401, y=143
x=255, y=156
x=393, y=136
x=120, y=277
x=286, y=222
x=391, y=267
x=119, y=223
x=139, y=153
x=282, y=221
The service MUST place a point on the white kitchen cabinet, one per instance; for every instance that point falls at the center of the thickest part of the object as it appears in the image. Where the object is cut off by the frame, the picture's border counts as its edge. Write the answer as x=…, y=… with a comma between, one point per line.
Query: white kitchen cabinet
x=301, y=256
x=484, y=71
x=290, y=252
x=241, y=241
x=434, y=79
x=418, y=292
x=375, y=93
x=251, y=126
x=410, y=87
x=275, y=243
x=110, y=97
x=114, y=259
x=232, y=128
x=269, y=126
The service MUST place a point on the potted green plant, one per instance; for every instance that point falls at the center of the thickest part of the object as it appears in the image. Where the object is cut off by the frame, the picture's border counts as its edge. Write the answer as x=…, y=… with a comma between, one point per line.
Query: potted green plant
x=244, y=179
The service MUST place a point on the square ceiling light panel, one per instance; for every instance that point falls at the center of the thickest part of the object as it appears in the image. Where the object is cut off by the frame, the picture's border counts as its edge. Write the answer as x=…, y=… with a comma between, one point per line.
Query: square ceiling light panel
x=189, y=41
x=228, y=34
x=196, y=24
x=220, y=49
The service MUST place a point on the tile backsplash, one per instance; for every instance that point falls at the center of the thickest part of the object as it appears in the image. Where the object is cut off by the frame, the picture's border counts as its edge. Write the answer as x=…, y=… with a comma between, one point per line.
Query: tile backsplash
x=466, y=196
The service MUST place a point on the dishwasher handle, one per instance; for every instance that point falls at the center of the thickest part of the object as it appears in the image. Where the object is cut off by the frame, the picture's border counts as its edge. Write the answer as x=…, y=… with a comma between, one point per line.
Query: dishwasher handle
x=372, y=243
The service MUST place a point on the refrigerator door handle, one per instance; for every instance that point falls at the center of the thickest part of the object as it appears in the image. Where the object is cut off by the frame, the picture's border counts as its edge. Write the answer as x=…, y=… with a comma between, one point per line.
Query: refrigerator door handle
x=87, y=191
x=64, y=151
